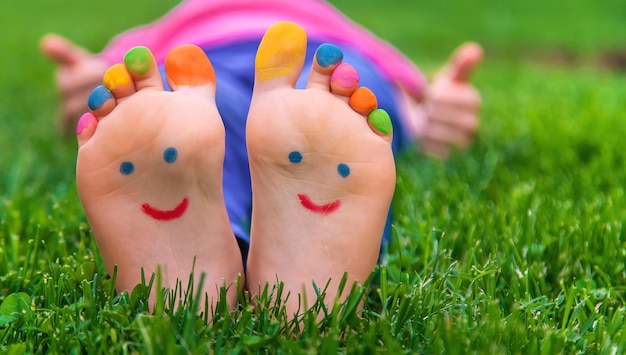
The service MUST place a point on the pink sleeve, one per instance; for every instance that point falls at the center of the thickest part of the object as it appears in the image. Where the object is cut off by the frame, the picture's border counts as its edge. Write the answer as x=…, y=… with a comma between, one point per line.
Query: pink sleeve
x=211, y=22
x=157, y=35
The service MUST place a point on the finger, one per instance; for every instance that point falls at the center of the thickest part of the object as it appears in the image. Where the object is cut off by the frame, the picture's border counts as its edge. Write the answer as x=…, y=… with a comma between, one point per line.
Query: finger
x=435, y=149
x=463, y=62
x=440, y=134
x=61, y=50
x=457, y=95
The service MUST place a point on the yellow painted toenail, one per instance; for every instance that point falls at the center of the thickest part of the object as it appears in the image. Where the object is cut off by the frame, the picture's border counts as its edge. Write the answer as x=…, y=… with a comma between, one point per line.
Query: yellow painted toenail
x=363, y=101
x=115, y=77
x=281, y=51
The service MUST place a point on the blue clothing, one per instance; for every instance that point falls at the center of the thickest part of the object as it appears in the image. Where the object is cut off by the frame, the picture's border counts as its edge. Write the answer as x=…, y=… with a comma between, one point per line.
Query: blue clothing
x=234, y=71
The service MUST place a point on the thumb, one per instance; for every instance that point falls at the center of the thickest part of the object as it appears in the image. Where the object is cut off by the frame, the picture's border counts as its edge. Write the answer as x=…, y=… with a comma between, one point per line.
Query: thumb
x=61, y=50
x=463, y=62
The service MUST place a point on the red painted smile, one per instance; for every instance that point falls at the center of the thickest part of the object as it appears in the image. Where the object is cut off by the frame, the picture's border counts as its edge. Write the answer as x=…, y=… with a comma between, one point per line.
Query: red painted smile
x=165, y=215
x=322, y=209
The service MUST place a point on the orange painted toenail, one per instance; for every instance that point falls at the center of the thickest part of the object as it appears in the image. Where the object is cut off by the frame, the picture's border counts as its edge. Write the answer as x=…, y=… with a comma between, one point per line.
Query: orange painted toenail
x=363, y=101
x=188, y=65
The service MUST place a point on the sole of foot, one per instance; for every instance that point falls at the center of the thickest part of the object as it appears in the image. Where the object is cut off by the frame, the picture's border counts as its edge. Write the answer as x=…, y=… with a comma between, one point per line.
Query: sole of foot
x=322, y=169
x=149, y=173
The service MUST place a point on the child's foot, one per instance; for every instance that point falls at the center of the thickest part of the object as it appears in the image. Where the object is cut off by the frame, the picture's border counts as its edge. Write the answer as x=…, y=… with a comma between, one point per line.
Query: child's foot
x=149, y=173
x=322, y=168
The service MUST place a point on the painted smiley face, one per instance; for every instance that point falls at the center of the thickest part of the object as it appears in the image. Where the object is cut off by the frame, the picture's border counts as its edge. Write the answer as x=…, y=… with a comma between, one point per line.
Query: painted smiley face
x=343, y=170
x=169, y=156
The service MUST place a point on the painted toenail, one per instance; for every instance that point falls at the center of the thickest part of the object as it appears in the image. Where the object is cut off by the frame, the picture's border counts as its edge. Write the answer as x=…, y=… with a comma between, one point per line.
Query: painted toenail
x=345, y=76
x=127, y=168
x=295, y=157
x=363, y=101
x=281, y=51
x=170, y=155
x=98, y=97
x=379, y=119
x=83, y=122
x=188, y=65
x=116, y=77
x=328, y=54
x=343, y=170
x=138, y=60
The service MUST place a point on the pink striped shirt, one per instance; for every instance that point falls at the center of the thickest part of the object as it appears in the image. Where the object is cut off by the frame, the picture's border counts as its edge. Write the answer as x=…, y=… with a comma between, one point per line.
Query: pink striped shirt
x=208, y=23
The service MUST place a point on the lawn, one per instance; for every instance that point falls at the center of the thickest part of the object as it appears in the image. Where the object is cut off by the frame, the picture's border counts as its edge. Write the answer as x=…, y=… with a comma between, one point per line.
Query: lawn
x=515, y=246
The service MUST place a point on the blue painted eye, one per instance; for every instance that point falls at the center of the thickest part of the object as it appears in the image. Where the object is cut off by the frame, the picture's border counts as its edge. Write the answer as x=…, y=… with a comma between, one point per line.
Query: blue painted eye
x=170, y=155
x=295, y=157
x=343, y=170
x=127, y=168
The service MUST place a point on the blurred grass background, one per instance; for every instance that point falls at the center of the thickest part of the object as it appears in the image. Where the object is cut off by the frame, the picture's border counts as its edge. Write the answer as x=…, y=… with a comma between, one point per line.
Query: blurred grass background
x=515, y=246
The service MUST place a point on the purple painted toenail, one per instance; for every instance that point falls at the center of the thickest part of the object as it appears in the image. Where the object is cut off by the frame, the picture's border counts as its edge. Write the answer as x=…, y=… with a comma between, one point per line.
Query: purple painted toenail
x=379, y=119
x=83, y=122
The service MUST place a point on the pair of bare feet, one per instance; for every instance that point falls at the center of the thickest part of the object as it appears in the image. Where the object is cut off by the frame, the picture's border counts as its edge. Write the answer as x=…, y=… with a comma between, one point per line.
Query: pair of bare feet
x=149, y=171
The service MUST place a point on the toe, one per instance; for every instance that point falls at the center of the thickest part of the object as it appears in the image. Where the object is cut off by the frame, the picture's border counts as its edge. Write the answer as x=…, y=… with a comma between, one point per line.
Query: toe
x=101, y=101
x=187, y=66
x=327, y=58
x=344, y=80
x=363, y=101
x=380, y=122
x=86, y=127
x=142, y=67
x=280, y=56
x=118, y=81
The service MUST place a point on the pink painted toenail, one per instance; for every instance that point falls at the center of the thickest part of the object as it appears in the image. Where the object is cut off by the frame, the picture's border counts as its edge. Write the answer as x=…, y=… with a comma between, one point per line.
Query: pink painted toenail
x=83, y=122
x=345, y=76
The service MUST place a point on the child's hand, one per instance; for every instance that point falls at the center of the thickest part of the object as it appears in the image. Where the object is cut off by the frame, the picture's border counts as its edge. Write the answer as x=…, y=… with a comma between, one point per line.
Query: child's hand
x=78, y=72
x=452, y=104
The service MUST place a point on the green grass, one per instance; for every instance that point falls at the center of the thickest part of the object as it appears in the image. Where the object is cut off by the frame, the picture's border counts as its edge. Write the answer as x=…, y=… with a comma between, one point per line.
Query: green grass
x=516, y=246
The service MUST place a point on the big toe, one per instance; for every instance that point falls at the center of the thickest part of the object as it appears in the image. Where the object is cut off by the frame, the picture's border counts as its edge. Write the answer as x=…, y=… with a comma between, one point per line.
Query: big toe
x=280, y=56
x=187, y=67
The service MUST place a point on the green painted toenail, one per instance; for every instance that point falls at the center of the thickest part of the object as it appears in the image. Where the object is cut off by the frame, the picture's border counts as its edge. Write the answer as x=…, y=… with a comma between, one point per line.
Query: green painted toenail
x=138, y=60
x=379, y=119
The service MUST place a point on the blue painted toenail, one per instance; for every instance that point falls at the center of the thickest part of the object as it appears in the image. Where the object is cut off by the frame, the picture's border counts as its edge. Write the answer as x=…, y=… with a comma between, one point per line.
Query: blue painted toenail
x=127, y=168
x=98, y=97
x=295, y=157
x=170, y=155
x=343, y=170
x=328, y=54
